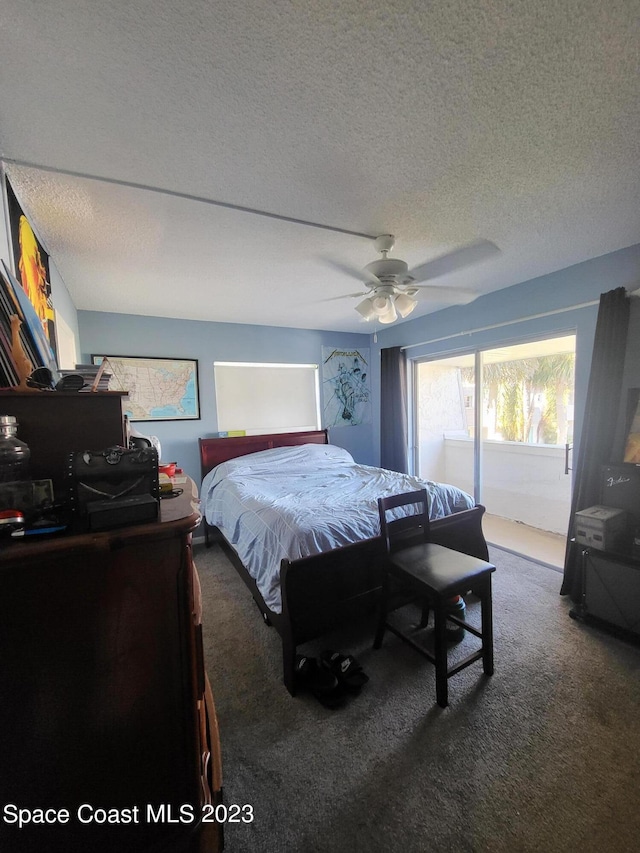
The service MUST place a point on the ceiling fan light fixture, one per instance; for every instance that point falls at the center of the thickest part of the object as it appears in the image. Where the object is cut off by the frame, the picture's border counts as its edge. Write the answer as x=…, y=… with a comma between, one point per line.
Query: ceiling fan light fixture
x=385, y=311
x=380, y=304
x=405, y=304
x=388, y=316
x=366, y=309
x=381, y=307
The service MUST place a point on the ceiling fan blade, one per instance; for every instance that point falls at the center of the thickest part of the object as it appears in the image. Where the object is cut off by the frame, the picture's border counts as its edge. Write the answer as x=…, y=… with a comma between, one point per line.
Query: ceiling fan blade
x=362, y=275
x=472, y=254
x=345, y=296
x=451, y=295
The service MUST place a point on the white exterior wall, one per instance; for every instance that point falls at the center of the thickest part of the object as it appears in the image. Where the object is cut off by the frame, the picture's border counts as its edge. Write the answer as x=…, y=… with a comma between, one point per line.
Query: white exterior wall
x=440, y=410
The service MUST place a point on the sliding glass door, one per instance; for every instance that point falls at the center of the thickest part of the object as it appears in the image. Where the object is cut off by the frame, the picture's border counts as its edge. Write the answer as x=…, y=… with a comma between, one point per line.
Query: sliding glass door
x=527, y=426
x=445, y=420
x=498, y=423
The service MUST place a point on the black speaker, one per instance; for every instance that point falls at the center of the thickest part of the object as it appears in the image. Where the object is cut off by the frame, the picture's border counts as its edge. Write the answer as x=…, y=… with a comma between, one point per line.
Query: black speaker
x=621, y=488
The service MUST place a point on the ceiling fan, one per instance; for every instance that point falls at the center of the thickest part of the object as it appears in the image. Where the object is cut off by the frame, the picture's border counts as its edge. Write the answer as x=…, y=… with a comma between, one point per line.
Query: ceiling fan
x=392, y=286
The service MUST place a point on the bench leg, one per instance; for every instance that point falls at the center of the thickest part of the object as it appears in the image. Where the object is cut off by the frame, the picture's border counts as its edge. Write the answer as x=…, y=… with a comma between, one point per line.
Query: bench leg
x=487, y=627
x=440, y=654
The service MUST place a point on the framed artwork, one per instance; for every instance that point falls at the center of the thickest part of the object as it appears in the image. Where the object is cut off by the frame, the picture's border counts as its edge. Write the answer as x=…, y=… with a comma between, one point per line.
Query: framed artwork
x=31, y=264
x=40, y=352
x=632, y=445
x=347, y=387
x=159, y=389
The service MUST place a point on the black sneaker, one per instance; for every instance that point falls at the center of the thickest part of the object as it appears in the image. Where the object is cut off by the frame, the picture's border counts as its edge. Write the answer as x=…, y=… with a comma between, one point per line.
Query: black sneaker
x=319, y=681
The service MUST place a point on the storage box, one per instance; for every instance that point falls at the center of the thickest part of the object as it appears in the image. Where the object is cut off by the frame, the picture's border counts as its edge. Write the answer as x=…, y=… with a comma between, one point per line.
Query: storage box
x=113, y=487
x=601, y=527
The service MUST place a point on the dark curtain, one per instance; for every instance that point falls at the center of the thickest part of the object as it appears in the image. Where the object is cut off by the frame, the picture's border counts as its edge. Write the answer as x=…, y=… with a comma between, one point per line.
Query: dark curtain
x=599, y=426
x=393, y=410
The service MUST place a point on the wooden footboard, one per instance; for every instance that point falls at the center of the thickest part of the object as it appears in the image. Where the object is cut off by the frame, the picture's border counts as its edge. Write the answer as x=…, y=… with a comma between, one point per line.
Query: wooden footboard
x=322, y=591
x=462, y=531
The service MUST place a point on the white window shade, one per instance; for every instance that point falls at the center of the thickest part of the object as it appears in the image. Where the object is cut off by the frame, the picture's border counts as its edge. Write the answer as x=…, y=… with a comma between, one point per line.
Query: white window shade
x=263, y=398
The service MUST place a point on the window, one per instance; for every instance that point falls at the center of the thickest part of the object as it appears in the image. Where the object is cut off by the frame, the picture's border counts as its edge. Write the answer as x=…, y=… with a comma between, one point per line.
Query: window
x=260, y=398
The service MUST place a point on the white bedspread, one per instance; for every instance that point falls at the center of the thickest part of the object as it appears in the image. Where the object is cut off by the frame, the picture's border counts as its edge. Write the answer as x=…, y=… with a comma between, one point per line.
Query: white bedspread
x=296, y=501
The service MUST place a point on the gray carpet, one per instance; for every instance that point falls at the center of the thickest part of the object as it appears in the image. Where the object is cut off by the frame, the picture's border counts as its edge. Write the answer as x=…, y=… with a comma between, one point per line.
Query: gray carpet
x=543, y=756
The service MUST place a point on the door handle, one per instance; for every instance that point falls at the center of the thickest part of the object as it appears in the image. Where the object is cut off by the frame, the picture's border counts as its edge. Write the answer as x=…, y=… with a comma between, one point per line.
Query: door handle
x=567, y=448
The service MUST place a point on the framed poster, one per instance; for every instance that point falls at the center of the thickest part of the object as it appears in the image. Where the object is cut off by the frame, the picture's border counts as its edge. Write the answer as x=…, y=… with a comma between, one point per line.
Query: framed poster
x=31, y=264
x=632, y=445
x=159, y=389
x=347, y=388
x=41, y=354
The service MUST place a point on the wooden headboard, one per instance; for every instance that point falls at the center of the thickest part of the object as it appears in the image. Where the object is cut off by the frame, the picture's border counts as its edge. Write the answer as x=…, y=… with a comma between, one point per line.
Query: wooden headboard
x=214, y=451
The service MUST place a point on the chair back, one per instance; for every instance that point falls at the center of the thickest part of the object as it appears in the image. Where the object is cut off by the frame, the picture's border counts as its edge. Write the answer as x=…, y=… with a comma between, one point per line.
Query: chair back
x=412, y=528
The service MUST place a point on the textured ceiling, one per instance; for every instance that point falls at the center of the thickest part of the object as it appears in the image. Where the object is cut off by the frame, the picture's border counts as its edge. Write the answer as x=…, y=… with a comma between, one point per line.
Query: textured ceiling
x=440, y=122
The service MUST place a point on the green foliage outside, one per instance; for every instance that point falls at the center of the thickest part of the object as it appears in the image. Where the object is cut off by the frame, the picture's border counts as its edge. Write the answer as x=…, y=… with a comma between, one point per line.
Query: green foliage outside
x=512, y=386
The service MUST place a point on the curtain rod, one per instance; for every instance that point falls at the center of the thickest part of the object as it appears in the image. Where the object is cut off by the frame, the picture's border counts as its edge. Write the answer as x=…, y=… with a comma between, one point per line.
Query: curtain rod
x=504, y=323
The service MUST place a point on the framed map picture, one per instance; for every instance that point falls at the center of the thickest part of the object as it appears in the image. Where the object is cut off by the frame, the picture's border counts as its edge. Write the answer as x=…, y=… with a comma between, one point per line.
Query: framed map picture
x=159, y=389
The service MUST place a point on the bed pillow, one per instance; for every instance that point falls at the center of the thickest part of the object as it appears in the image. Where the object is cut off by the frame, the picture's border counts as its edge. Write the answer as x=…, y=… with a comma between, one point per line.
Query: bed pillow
x=298, y=456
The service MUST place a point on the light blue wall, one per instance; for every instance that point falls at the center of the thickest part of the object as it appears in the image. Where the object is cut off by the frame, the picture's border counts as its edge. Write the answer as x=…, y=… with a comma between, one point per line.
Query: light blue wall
x=65, y=311
x=569, y=287
x=119, y=334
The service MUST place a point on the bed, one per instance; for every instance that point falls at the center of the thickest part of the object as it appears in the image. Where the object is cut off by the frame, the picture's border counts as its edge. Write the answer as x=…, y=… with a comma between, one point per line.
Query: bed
x=298, y=519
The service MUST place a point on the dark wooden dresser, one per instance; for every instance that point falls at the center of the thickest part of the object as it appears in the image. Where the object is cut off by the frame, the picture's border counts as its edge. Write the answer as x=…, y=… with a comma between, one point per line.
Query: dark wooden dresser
x=106, y=712
x=54, y=424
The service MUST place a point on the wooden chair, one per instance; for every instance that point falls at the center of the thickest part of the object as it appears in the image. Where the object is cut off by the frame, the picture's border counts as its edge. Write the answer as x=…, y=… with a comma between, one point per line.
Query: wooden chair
x=435, y=575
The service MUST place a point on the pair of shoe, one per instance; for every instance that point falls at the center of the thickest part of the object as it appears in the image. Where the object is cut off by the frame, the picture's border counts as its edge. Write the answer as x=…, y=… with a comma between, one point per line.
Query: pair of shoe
x=350, y=675
x=330, y=679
